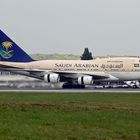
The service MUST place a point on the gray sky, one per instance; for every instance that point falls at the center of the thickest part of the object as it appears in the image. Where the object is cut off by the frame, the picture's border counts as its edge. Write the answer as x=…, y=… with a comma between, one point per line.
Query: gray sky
x=106, y=27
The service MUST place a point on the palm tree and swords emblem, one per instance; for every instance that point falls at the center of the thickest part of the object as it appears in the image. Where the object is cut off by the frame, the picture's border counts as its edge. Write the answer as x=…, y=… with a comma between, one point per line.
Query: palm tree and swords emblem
x=5, y=49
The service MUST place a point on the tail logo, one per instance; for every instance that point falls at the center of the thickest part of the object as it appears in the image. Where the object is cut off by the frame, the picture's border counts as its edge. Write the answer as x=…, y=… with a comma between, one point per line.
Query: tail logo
x=5, y=49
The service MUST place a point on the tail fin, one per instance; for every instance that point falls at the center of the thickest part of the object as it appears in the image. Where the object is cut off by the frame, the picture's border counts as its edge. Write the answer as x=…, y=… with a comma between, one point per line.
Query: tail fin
x=10, y=51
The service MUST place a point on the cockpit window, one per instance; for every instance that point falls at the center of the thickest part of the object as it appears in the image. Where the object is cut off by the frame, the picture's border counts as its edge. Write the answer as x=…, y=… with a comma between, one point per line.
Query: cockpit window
x=136, y=65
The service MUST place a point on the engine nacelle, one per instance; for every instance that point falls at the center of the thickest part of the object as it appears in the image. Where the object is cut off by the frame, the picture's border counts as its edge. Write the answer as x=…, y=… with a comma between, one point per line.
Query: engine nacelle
x=52, y=78
x=85, y=80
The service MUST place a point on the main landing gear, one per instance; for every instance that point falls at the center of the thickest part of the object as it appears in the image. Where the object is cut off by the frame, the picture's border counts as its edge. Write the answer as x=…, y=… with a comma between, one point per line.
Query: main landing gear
x=71, y=85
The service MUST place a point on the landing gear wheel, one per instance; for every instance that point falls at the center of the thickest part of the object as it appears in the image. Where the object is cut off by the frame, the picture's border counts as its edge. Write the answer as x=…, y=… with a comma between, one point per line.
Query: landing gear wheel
x=70, y=86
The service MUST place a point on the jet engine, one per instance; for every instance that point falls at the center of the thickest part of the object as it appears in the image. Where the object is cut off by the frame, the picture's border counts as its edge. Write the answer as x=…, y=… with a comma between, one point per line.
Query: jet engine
x=52, y=78
x=85, y=80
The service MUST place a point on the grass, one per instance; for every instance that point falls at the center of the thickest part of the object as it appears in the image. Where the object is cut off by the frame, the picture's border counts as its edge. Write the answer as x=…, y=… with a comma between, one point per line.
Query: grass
x=72, y=116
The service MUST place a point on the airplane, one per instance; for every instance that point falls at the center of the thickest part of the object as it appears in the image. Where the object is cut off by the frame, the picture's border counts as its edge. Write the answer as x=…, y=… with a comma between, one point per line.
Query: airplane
x=72, y=73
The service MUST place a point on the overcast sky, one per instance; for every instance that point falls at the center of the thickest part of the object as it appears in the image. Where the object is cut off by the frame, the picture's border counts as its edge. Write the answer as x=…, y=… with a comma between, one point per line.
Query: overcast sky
x=106, y=27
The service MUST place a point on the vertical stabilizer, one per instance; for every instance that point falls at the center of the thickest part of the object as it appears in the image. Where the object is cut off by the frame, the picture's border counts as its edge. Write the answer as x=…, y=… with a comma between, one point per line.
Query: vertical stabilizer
x=10, y=51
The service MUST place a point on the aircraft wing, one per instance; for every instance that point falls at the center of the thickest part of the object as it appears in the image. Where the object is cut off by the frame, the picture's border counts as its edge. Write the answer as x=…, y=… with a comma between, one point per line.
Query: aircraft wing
x=95, y=75
x=37, y=73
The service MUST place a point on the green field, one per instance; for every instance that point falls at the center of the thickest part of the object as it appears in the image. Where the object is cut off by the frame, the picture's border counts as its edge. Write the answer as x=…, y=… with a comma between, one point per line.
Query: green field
x=72, y=116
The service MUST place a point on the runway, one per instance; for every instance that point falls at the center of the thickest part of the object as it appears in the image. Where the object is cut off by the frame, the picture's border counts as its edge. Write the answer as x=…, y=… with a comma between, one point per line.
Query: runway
x=88, y=90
